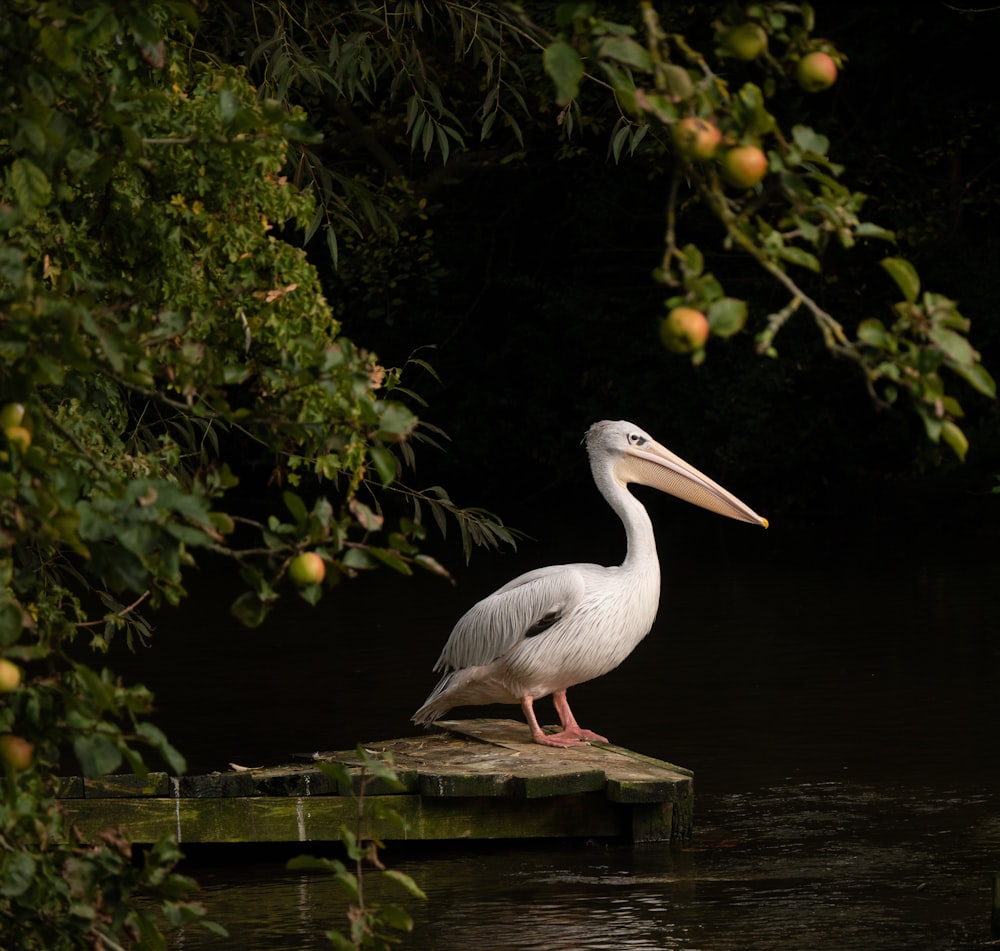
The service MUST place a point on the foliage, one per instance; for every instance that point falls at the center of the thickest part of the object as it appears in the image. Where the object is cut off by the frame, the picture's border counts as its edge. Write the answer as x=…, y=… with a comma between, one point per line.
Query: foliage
x=371, y=924
x=162, y=340
x=458, y=84
x=787, y=222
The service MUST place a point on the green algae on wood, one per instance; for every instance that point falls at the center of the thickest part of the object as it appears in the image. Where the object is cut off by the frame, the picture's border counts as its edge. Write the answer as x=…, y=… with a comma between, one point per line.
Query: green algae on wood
x=473, y=779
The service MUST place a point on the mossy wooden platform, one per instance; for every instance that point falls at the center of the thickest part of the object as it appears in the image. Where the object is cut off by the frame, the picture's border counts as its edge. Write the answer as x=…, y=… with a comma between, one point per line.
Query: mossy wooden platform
x=472, y=779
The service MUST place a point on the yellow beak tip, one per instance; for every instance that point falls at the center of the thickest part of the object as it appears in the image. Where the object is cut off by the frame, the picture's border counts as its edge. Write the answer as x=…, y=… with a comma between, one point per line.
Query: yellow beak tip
x=764, y=522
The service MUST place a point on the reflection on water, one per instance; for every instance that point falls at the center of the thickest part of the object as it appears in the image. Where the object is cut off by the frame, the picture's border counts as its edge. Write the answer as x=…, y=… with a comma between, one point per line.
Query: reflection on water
x=837, y=704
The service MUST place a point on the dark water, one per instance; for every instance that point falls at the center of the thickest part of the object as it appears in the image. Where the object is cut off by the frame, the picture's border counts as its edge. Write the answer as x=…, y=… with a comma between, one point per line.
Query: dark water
x=835, y=691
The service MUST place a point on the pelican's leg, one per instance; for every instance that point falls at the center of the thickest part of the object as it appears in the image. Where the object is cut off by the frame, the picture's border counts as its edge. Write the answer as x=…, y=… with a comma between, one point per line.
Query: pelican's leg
x=548, y=739
x=568, y=721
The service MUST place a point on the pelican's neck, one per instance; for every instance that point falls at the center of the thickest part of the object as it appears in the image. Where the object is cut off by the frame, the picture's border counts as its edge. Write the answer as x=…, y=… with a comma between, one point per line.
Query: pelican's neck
x=640, y=554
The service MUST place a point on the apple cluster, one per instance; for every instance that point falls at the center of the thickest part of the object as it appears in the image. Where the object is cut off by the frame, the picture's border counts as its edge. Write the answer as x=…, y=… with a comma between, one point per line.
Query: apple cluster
x=15, y=751
x=743, y=165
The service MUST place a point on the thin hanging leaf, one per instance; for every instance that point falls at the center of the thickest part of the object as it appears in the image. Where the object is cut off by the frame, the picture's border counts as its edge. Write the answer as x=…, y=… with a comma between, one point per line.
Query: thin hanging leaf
x=905, y=275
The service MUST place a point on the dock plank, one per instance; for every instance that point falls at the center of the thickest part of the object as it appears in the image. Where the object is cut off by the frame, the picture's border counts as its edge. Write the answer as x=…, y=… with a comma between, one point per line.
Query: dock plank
x=471, y=779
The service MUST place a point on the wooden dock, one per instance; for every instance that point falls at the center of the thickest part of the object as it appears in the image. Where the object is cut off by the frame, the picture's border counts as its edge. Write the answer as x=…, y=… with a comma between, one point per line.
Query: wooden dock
x=473, y=779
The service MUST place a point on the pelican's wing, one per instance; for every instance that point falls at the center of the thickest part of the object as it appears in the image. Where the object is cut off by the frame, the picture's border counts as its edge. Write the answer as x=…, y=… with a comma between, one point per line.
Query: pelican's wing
x=522, y=607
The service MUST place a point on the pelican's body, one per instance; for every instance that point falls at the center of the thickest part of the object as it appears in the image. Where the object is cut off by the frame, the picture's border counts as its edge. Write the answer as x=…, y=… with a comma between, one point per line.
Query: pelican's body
x=555, y=627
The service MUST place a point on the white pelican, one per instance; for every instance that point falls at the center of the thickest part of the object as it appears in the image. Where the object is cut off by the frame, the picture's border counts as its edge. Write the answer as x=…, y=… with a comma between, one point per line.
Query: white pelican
x=555, y=627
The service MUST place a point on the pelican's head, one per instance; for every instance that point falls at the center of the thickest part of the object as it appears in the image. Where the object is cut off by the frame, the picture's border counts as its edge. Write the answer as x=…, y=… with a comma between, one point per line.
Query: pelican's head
x=632, y=455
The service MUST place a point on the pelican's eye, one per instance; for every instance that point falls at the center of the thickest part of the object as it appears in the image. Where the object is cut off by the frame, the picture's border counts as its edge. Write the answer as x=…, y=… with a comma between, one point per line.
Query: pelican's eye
x=636, y=439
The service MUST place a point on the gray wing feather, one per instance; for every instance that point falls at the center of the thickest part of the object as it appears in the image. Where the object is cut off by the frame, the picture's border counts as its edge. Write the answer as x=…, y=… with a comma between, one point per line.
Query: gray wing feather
x=494, y=625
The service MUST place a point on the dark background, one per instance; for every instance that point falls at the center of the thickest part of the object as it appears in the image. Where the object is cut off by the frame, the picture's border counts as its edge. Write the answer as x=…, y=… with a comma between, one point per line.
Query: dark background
x=543, y=314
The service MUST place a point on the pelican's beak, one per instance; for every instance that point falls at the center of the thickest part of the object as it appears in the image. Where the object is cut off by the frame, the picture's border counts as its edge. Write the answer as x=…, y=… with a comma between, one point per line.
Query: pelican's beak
x=654, y=465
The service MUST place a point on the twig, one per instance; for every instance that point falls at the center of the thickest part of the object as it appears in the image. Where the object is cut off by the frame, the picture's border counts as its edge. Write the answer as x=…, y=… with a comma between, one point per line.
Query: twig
x=833, y=333
x=122, y=613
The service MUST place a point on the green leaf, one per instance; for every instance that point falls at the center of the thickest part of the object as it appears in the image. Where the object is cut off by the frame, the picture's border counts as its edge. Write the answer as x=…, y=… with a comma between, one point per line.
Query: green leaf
x=905, y=275
x=955, y=438
x=311, y=594
x=249, y=609
x=11, y=622
x=229, y=106
x=624, y=87
x=396, y=421
x=677, y=82
x=565, y=69
x=955, y=346
x=391, y=560
x=31, y=186
x=358, y=559
x=312, y=863
x=809, y=140
x=98, y=754
x=727, y=316
x=694, y=260
x=385, y=463
x=296, y=507
x=153, y=735
x=868, y=229
x=431, y=564
x=339, y=773
x=627, y=51
x=392, y=916
x=401, y=878
x=749, y=109
x=370, y=521
x=978, y=377
x=873, y=333
x=17, y=873
x=618, y=143
x=800, y=257
x=379, y=768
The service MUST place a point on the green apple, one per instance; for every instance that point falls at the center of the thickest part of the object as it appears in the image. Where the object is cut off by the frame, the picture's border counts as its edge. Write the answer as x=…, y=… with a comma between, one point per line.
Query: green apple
x=746, y=41
x=18, y=436
x=10, y=676
x=306, y=569
x=11, y=414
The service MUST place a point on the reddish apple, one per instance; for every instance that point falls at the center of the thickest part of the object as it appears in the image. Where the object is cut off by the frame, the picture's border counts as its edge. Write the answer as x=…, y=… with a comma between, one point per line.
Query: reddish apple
x=684, y=329
x=816, y=72
x=306, y=569
x=16, y=751
x=696, y=138
x=744, y=166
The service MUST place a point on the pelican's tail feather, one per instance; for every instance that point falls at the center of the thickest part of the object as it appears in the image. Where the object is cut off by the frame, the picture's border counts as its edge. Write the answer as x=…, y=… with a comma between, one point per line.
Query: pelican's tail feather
x=437, y=704
x=471, y=686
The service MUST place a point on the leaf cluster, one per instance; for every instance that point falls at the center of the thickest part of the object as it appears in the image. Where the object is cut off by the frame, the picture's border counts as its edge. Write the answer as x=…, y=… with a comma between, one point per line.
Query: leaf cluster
x=402, y=87
x=162, y=341
x=370, y=924
x=784, y=218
